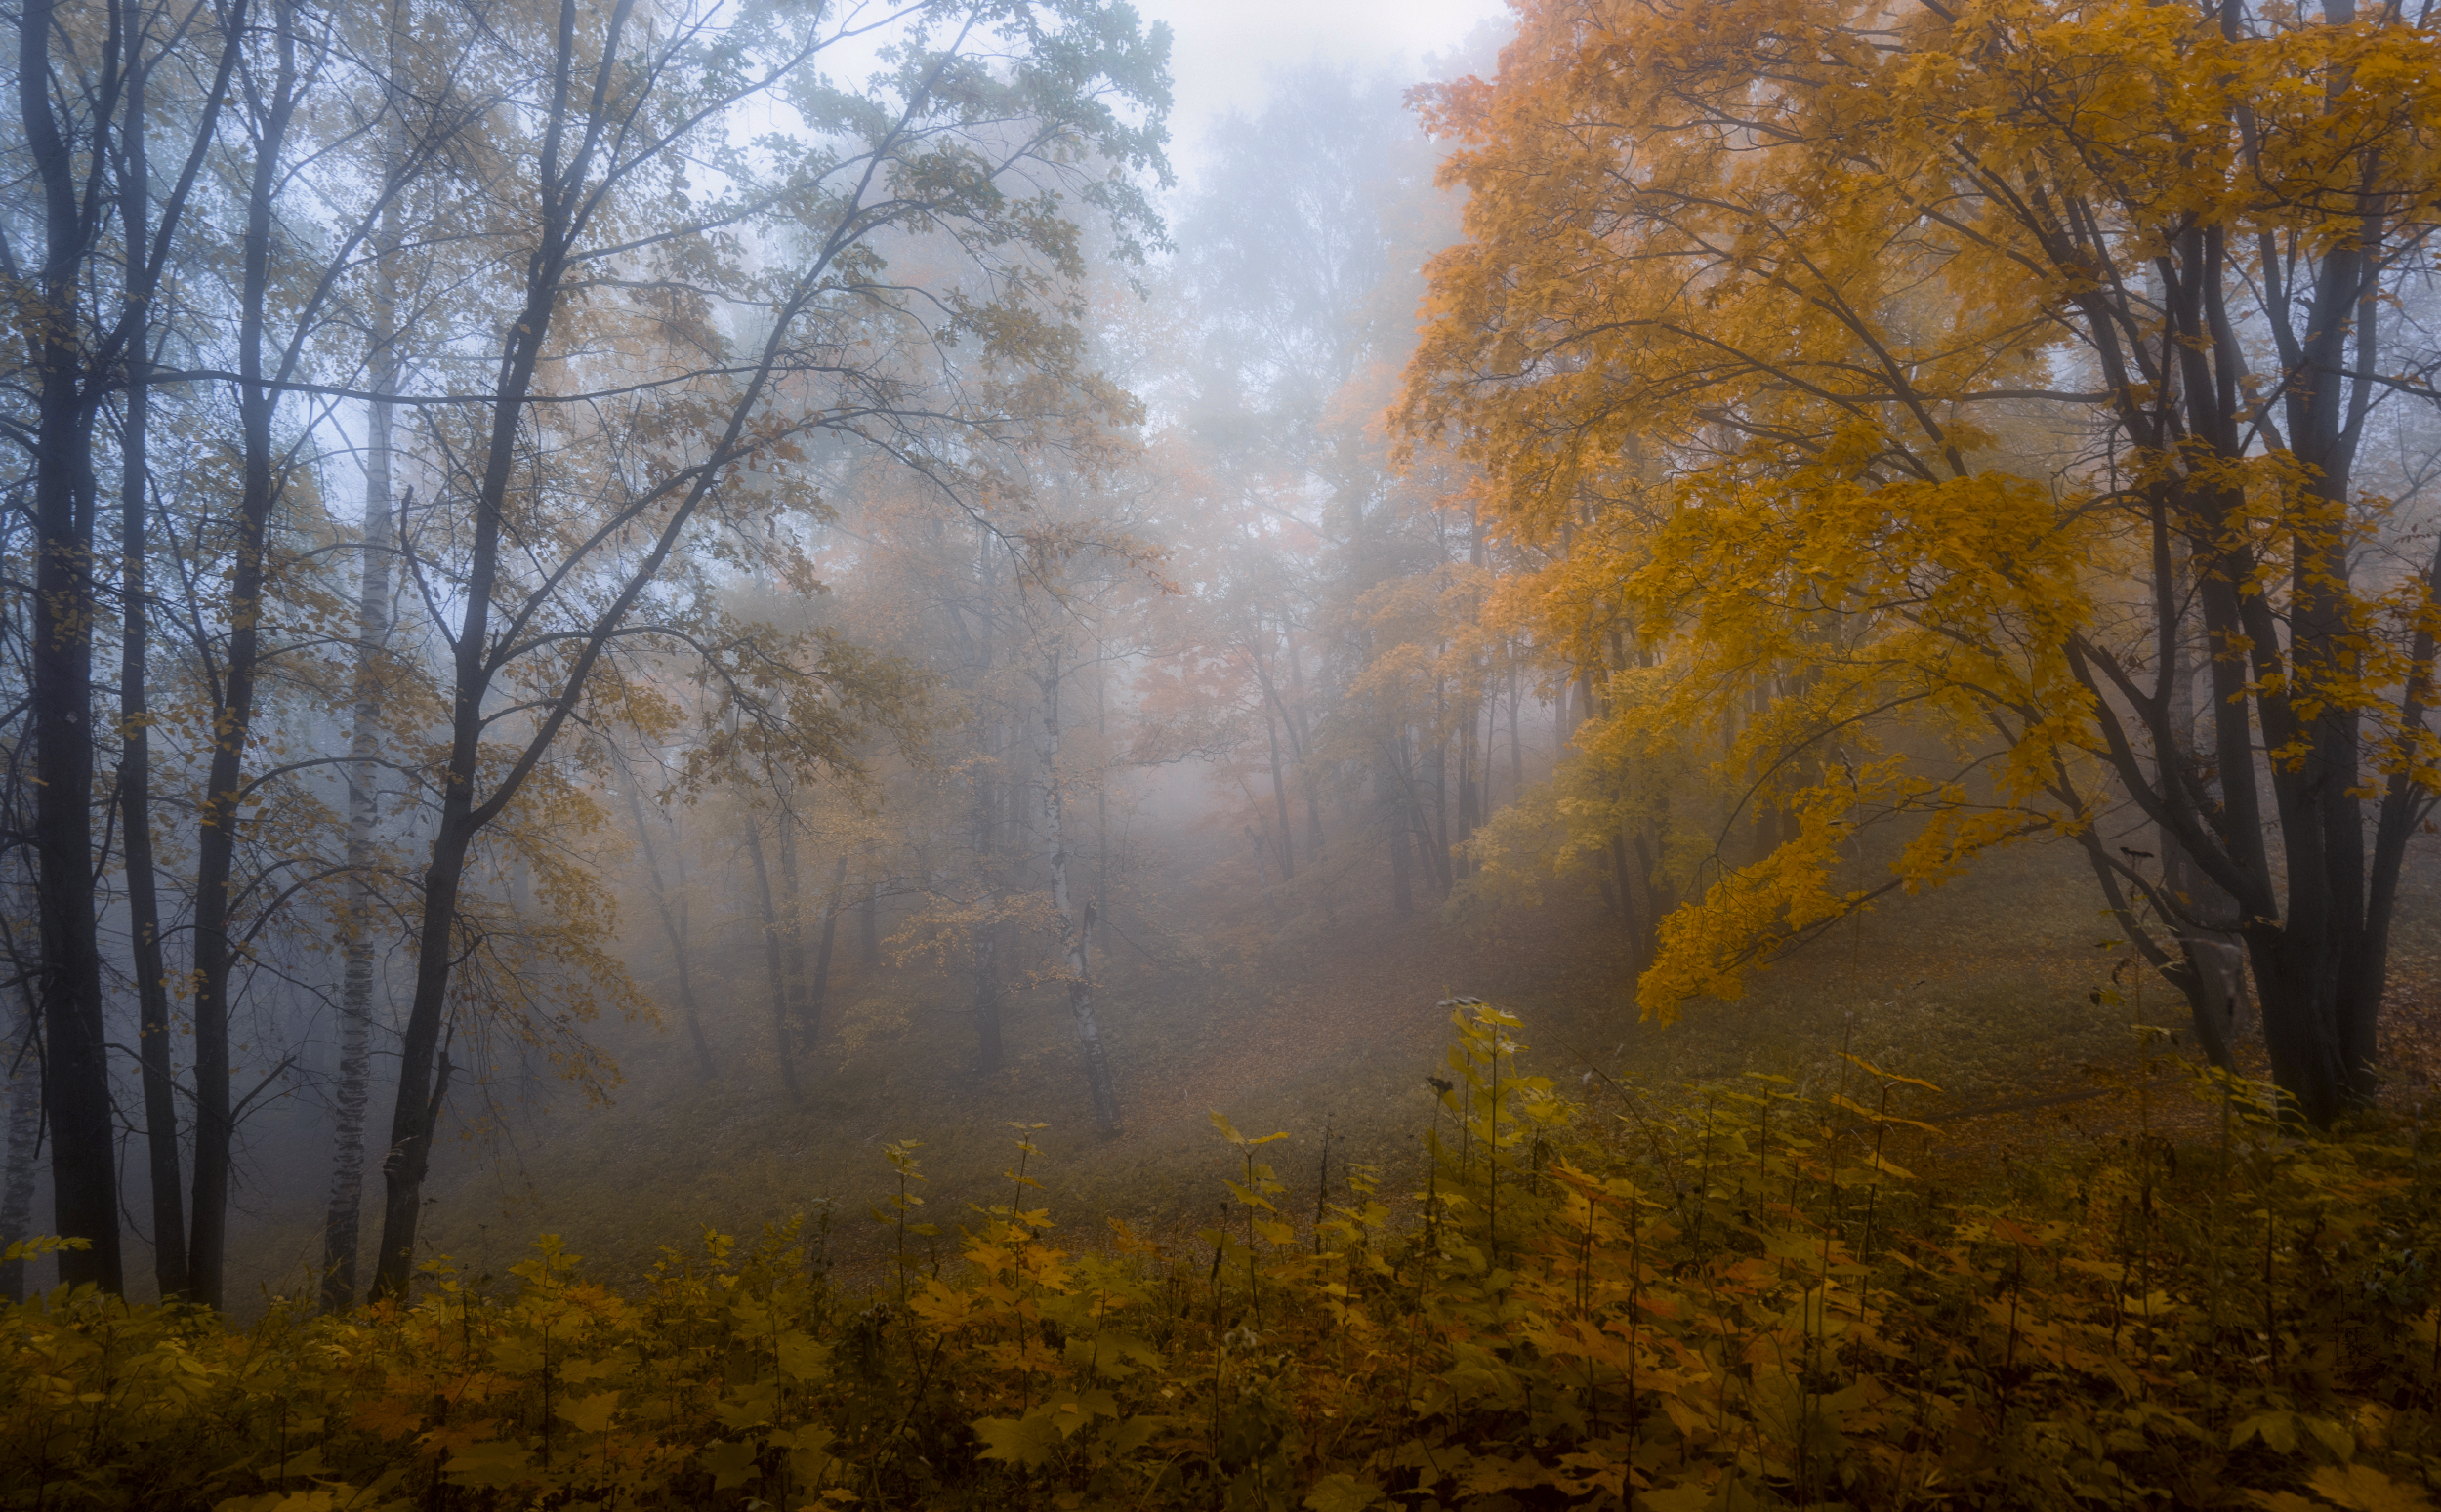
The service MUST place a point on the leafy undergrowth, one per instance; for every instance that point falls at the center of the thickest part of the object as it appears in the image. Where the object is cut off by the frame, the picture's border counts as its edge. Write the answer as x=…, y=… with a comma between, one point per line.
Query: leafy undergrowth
x=1739, y=1302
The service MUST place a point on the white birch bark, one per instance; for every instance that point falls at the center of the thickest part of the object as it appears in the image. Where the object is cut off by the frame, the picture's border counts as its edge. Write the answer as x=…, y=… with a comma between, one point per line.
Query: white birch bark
x=344, y=1221
x=1072, y=936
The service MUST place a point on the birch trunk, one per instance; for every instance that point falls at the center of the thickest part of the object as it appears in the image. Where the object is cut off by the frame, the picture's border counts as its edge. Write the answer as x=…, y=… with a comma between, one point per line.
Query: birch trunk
x=1073, y=942
x=989, y=1053
x=343, y=1223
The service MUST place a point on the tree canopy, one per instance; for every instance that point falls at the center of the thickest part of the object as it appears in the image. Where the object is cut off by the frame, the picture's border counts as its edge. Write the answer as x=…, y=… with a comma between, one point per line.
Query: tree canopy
x=1967, y=414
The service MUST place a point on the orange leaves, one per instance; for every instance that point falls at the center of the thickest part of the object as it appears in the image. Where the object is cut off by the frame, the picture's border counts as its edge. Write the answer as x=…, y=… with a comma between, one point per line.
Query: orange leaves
x=1777, y=328
x=1729, y=1308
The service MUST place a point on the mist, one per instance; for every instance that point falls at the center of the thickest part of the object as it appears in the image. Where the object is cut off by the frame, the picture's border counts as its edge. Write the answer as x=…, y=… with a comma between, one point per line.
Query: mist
x=959, y=775
x=1037, y=750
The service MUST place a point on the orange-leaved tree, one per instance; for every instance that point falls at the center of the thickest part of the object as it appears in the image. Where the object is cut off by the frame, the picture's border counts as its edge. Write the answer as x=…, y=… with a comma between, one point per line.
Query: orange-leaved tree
x=1978, y=402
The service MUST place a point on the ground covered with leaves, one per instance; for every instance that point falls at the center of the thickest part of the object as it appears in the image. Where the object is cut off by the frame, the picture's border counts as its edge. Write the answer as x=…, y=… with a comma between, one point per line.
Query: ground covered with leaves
x=1738, y=1300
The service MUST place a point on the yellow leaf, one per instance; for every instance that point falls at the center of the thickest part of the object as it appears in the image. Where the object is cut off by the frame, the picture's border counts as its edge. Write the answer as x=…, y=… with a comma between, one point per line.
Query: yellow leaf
x=2364, y=1488
x=731, y=1463
x=590, y=1413
x=1340, y=1492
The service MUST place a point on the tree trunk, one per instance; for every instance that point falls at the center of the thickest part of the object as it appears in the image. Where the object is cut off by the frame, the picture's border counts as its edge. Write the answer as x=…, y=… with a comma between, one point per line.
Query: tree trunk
x=216, y=838
x=774, y=960
x=1309, y=780
x=1618, y=877
x=1394, y=817
x=984, y=998
x=144, y=906
x=421, y=1084
x=1470, y=780
x=1072, y=945
x=2211, y=975
x=2299, y=978
x=1516, y=741
x=1263, y=874
x=673, y=923
x=869, y=929
x=1435, y=854
x=20, y=1077
x=1437, y=822
x=793, y=934
x=1101, y=907
x=75, y=1072
x=2209, y=969
x=343, y=1222
x=2315, y=925
x=1652, y=899
x=1279, y=797
x=818, y=997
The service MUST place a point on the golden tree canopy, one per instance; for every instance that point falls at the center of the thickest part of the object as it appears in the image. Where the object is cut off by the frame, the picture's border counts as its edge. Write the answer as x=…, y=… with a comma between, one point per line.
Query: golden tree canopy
x=1893, y=367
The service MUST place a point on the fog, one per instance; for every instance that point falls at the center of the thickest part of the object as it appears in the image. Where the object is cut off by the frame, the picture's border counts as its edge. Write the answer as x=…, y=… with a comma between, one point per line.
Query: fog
x=971, y=777
x=895, y=581
x=1077, y=754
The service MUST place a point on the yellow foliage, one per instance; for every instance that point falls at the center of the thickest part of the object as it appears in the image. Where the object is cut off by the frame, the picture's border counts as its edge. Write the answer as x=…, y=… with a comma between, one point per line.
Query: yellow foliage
x=1776, y=328
x=1741, y=1289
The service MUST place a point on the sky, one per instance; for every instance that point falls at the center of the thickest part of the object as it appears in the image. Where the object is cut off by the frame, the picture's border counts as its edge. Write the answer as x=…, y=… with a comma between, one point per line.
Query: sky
x=1223, y=50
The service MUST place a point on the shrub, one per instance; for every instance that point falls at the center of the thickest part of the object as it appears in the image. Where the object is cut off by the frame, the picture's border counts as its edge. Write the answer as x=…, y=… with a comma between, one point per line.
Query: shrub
x=1741, y=1300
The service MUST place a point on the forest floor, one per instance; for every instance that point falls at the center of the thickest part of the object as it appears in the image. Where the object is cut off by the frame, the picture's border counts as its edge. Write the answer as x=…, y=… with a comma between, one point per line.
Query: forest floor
x=1993, y=988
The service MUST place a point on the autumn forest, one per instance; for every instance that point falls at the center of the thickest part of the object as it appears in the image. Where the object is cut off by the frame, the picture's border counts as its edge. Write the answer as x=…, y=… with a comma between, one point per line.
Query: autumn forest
x=787, y=754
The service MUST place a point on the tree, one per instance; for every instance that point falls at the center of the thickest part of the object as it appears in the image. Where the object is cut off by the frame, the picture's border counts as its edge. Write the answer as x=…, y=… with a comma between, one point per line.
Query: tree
x=1059, y=602
x=1300, y=272
x=366, y=738
x=312, y=213
x=1966, y=390
x=135, y=776
x=670, y=904
x=72, y=109
x=947, y=161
